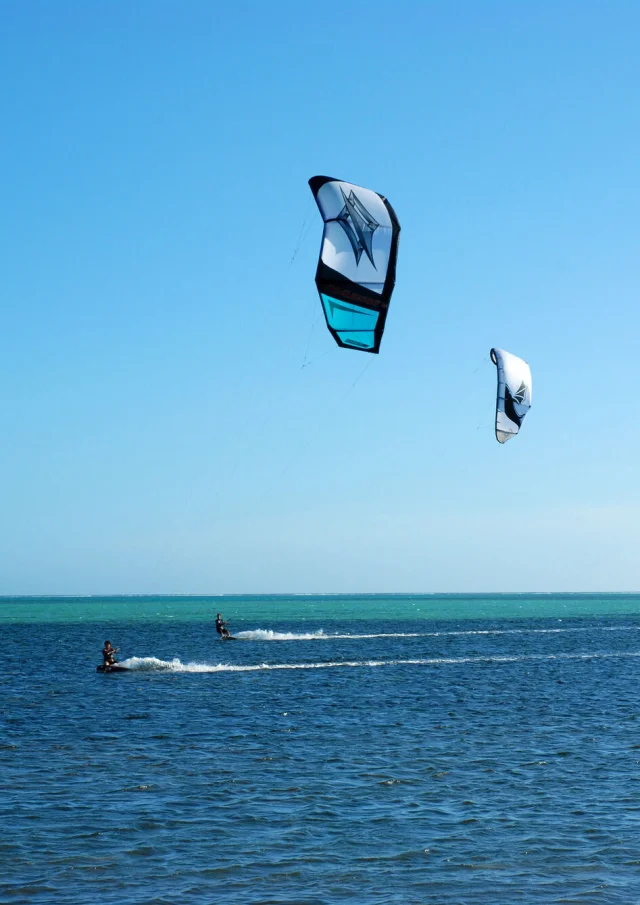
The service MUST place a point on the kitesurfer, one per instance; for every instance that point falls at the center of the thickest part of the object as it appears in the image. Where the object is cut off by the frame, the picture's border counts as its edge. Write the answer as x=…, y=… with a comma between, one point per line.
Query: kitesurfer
x=221, y=627
x=109, y=654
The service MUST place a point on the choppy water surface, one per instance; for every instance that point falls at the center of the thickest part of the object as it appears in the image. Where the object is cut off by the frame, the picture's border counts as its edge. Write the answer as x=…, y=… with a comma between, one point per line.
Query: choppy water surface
x=321, y=762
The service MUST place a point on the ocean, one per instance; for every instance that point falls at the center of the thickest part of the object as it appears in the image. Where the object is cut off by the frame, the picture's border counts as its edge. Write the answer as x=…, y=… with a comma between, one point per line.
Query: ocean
x=454, y=750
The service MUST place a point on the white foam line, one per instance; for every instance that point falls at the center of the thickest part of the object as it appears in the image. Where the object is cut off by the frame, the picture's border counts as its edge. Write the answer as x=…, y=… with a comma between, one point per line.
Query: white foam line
x=153, y=664
x=269, y=635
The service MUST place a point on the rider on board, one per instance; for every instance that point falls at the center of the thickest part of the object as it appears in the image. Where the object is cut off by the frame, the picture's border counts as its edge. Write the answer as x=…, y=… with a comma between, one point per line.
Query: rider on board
x=109, y=654
x=221, y=627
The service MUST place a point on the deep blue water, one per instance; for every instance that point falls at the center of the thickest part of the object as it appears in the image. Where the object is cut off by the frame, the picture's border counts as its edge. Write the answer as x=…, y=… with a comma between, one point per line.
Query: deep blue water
x=482, y=762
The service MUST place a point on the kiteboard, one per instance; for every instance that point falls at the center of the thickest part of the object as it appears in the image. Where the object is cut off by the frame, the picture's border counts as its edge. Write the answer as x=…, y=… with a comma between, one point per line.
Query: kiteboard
x=228, y=638
x=112, y=669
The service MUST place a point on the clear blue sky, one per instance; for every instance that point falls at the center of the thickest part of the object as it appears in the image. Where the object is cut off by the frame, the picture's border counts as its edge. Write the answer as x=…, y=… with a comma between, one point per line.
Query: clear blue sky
x=158, y=431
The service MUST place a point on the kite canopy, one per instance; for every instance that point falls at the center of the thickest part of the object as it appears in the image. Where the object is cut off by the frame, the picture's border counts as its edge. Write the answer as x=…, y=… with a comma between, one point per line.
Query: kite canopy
x=357, y=267
x=514, y=393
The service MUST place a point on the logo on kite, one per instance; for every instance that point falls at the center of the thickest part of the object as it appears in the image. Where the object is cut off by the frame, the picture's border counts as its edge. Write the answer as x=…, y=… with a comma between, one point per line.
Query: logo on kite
x=358, y=224
x=520, y=394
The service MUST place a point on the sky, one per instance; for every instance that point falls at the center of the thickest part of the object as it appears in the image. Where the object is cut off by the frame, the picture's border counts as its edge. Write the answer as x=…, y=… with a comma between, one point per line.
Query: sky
x=176, y=418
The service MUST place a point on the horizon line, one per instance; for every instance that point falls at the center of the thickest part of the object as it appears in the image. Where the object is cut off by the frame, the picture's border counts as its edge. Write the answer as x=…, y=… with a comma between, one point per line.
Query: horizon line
x=322, y=594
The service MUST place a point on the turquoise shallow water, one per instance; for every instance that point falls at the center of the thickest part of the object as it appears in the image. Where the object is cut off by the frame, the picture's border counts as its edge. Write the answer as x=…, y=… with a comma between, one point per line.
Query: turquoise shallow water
x=371, y=750
x=298, y=608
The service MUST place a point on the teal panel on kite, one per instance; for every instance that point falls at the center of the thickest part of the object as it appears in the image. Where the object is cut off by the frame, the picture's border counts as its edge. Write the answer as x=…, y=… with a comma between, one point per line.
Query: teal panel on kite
x=355, y=326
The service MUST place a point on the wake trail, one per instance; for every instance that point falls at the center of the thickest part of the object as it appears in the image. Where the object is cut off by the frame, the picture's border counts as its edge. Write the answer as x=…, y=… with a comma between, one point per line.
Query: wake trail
x=321, y=635
x=154, y=664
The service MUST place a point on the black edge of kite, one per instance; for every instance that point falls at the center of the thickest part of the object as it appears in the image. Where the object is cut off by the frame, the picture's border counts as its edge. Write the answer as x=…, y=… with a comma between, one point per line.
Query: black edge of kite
x=494, y=359
x=316, y=182
x=390, y=280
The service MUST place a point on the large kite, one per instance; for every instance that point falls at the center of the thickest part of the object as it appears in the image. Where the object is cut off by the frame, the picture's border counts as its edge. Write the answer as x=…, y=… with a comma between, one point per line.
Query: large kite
x=514, y=393
x=357, y=267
